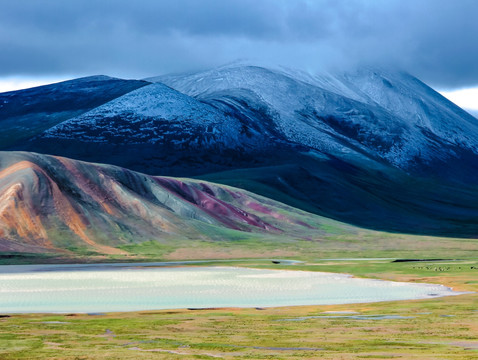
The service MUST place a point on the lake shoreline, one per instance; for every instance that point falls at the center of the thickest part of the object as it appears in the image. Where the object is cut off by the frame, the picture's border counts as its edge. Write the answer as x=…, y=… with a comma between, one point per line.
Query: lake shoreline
x=149, y=288
x=383, y=328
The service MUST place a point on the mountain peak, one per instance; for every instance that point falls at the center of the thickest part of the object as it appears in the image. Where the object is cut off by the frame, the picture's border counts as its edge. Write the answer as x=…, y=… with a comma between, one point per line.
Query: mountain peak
x=96, y=78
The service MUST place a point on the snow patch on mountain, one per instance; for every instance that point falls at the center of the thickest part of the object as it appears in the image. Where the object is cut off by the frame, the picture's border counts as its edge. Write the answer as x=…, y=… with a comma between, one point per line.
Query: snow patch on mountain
x=304, y=113
x=386, y=113
x=376, y=113
x=154, y=113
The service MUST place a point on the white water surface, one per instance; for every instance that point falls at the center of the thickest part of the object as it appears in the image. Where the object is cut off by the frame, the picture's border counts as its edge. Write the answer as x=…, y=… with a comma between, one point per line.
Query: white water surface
x=103, y=288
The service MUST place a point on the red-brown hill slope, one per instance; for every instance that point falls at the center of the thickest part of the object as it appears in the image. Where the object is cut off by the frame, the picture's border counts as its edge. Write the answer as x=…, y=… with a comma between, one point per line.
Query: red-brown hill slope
x=50, y=203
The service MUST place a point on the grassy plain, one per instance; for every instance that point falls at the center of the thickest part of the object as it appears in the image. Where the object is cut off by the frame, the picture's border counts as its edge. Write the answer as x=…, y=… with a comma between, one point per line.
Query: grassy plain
x=441, y=328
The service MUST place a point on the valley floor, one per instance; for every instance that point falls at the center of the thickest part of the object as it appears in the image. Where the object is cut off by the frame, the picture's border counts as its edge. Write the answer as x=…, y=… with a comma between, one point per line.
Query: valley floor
x=441, y=328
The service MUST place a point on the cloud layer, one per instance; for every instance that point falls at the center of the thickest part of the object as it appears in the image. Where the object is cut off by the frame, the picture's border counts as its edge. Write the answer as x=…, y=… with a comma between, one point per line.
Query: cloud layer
x=433, y=39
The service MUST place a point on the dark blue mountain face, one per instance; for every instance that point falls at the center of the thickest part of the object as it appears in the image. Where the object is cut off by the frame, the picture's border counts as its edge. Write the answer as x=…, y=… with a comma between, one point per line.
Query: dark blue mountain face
x=27, y=113
x=374, y=148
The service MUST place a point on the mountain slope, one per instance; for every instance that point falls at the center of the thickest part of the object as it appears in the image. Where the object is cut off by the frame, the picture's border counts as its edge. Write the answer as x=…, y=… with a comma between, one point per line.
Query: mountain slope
x=385, y=114
x=26, y=113
x=51, y=204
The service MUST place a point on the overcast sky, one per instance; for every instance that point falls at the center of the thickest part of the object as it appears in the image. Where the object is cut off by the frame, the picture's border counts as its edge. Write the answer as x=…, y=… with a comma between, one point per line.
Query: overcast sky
x=433, y=39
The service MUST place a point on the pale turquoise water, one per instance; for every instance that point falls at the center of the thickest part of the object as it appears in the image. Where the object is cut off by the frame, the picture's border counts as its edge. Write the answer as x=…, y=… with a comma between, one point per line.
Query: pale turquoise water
x=25, y=289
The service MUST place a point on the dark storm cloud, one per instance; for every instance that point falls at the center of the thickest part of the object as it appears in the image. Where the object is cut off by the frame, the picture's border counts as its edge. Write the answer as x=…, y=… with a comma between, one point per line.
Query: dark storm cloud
x=433, y=39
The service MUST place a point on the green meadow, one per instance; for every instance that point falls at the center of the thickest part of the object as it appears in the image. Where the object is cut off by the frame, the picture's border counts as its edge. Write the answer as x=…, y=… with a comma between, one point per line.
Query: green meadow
x=441, y=328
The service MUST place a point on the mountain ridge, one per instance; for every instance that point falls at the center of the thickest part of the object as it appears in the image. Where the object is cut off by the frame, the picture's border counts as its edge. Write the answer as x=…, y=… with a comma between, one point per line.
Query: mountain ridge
x=368, y=127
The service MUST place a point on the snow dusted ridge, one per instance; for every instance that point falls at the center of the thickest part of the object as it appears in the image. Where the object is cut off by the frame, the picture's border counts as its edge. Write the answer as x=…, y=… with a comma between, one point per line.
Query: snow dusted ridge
x=376, y=113
x=152, y=114
x=385, y=113
x=296, y=107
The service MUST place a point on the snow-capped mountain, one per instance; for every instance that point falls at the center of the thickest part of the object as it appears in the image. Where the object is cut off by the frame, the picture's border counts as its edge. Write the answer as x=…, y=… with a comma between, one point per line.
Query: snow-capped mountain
x=153, y=114
x=389, y=114
x=157, y=129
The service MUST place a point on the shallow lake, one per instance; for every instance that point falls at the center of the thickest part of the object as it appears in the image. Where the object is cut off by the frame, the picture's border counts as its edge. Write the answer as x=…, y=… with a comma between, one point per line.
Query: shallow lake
x=103, y=288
